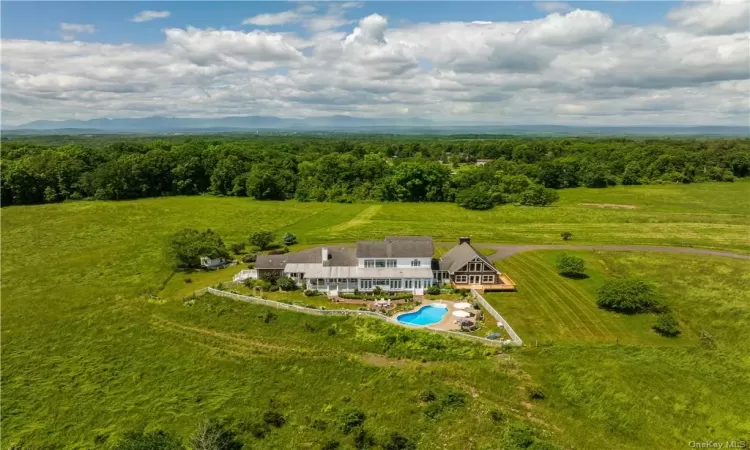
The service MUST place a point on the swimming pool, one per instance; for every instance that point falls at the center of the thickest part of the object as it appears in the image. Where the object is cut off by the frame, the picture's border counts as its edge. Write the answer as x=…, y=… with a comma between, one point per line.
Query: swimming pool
x=426, y=315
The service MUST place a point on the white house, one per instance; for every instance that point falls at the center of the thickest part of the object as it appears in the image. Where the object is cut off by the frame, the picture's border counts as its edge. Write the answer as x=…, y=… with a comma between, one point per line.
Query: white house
x=395, y=264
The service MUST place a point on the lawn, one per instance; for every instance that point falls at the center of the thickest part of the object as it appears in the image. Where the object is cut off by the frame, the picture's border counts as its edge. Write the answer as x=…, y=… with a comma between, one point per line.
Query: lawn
x=88, y=353
x=705, y=293
x=649, y=391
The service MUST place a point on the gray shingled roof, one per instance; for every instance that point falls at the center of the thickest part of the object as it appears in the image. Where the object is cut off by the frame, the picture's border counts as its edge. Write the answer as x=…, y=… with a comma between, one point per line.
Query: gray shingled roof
x=396, y=247
x=337, y=256
x=459, y=255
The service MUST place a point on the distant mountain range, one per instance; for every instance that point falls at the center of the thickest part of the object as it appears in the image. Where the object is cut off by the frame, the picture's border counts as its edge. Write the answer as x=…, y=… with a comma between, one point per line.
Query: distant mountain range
x=342, y=123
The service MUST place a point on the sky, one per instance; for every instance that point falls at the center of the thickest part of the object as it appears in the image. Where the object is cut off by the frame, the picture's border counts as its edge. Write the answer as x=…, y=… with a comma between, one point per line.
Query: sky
x=504, y=62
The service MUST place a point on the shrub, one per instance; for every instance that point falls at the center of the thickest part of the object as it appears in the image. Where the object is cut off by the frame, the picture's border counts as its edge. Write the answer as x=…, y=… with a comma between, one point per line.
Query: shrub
x=667, y=325
x=310, y=293
x=262, y=239
x=318, y=424
x=139, y=440
x=349, y=419
x=566, y=235
x=571, y=266
x=433, y=290
x=268, y=317
x=497, y=416
x=521, y=435
x=332, y=330
x=238, y=247
x=286, y=283
x=258, y=430
x=475, y=197
x=274, y=419
x=538, y=195
x=535, y=393
x=449, y=400
x=427, y=396
x=363, y=439
x=249, y=258
x=276, y=252
x=398, y=442
x=289, y=239
x=378, y=291
x=331, y=445
x=213, y=435
x=627, y=295
x=188, y=280
x=454, y=399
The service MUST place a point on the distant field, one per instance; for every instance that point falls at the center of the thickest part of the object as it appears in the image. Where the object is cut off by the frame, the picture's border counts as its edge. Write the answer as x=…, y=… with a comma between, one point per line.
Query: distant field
x=88, y=354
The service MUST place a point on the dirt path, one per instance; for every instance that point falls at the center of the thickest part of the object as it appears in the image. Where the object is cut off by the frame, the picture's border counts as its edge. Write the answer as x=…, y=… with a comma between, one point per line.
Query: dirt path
x=504, y=251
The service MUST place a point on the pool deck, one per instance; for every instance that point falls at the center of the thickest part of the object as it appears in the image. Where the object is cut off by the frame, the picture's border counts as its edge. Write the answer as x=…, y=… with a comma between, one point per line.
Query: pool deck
x=448, y=323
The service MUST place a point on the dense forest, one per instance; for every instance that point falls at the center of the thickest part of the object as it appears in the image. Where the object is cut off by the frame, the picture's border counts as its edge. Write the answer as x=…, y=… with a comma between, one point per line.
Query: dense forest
x=348, y=169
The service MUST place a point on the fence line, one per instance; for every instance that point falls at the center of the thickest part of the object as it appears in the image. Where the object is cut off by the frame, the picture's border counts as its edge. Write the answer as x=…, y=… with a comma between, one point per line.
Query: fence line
x=513, y=336
x=347, y=312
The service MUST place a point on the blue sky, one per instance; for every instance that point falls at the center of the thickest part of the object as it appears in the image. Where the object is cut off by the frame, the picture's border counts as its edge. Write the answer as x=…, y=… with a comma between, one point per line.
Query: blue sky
x=552, y=62
x=30, y=20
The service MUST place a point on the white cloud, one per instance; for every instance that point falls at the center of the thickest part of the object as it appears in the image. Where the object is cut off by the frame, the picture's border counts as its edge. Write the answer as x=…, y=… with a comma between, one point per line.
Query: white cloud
x=562, y=68
x=147, y=15
x=714, y=17
x=282, y=18
x=552, y=7
x=69, y=31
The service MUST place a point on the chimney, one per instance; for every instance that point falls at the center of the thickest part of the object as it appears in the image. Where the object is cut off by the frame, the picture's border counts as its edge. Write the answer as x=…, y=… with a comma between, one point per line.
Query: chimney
x=324, y=254
x=464, y=240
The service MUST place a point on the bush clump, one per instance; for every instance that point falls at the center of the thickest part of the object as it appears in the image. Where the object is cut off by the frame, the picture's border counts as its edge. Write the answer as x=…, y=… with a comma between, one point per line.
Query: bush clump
x=433, y=290
x=627, y=295
x=274, y=419
x=140, y=440
x=667, y=325
x=397, y=442
x=286, y=284
x=349, y=419
x=570, y=266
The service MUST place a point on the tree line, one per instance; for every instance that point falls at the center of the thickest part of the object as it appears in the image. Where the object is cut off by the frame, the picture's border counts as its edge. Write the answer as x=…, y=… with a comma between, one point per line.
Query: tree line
x=335, y=169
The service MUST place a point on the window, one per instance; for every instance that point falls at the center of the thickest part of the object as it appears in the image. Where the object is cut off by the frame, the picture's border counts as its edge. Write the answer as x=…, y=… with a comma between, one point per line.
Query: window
x=369, y=263
x=391, y=263
x=418, y=284
x=365, y=284
x=488, y=278
x=341, y=280
x=416, y=263
x=395, y=284
x=352, y=280
x=461, y=279
x=380, y=263
x=475, y=267
x=408, y=284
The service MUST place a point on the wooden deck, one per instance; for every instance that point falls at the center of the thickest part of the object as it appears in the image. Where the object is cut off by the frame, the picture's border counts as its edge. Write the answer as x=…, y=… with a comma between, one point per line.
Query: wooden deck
x=506, y=285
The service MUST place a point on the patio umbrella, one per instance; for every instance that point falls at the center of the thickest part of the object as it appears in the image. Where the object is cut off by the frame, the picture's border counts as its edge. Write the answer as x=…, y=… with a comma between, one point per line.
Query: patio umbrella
x=462, y=305
x=461, y=314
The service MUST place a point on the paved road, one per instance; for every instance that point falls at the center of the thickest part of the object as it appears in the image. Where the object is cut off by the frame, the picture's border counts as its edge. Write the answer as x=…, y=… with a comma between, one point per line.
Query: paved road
x=504, y=251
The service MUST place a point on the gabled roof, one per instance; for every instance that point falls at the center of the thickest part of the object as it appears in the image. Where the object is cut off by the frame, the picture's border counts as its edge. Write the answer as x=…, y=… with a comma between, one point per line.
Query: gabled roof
x=459, y=256
x=337, y=256
x=396, y=247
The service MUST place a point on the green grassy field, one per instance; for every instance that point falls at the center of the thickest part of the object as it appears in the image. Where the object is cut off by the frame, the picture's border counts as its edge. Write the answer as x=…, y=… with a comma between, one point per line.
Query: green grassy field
x=649, y=391
x=88, y=354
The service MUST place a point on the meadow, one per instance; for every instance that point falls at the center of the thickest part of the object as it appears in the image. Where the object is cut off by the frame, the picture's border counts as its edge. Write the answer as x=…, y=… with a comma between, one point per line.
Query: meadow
x=88, y=353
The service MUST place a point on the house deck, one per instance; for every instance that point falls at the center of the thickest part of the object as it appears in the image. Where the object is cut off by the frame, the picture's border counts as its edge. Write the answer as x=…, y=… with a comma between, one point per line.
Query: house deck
x=506, y=285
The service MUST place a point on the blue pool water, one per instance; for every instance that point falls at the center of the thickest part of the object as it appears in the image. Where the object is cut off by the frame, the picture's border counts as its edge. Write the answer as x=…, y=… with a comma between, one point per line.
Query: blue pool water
x=426, y=315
